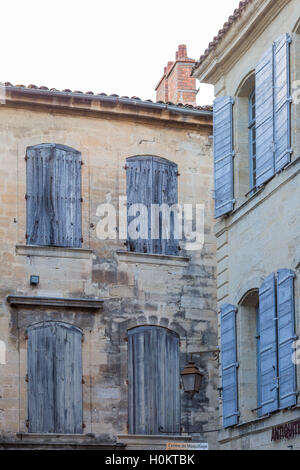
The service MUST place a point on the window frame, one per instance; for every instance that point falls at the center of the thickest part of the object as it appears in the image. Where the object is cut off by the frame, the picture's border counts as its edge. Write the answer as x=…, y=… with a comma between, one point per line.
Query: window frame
x=252, y=140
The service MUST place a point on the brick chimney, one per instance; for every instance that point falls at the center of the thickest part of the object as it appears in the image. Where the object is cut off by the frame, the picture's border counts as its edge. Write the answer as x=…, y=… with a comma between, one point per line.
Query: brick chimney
x=176, y=84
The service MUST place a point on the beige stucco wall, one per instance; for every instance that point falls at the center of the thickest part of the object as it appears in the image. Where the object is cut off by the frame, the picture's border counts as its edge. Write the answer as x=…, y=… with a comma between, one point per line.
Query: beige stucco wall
x=175, y=293
x=262, y=234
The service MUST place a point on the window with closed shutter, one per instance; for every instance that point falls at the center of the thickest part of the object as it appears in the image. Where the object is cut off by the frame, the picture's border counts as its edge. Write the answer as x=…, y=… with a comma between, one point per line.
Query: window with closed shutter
x=53, y=195
x=153, y=380
x=152, y=183
x=54, y=378
x=273, y=102
x=277, y=333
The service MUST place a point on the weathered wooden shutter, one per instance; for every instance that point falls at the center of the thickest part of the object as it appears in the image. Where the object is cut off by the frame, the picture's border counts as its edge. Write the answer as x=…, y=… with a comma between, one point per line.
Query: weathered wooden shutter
x=164, y=191
x=153, y=380
x=229, y=365
x=139, y=191
x=223, y=155
x=264, y=102
x=54, y=378
x=53, y=195
x=282, y=102
x=286, y=337
x=152, y=180
x=268, y=346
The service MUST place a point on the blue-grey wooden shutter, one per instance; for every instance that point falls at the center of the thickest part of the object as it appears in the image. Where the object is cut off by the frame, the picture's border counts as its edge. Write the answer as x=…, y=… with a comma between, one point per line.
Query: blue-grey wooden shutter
x=286, y=337
x=53, y=195
x=139, y=191
x=54, y=378
x=229, y=365
x=268, y=346
x=152, y=180
x=153, y=381
x=282, y=102
x=164, y=191
x=223, y=155
x=264, y=102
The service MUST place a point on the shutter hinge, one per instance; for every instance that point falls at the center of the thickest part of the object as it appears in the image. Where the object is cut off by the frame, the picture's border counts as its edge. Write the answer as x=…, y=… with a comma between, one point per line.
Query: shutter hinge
x=126, y=339
x=82, y=381
x=27, y=423
x=26, y=336
x=177, y=173
x=26, y=196
x=81, y=163
x=125, y=167
x=25, y=158
x=26, y=378
x=26, y=235
x=82, y=338
x=81, y=239
x=83, y=425
x=126, y=381
x=81, y=199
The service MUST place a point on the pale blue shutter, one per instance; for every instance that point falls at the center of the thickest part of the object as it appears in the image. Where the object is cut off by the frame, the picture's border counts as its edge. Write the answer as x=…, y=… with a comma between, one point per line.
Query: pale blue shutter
x=268, y=346
x=282, y=102
x=223, y=155
x=229, y=365
x=286, y=336
x=264, y=102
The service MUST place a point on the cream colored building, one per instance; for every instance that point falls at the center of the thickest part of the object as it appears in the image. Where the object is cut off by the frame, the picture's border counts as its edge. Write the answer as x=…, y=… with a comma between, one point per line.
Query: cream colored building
x=73, y=303
x=254, y=65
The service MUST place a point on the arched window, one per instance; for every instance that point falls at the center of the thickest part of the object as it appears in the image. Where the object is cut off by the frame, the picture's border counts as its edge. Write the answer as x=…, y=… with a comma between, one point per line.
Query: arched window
x=54, y=360
x=252, y=141
x=153, y=380
x=53, y=196
x=152, y=205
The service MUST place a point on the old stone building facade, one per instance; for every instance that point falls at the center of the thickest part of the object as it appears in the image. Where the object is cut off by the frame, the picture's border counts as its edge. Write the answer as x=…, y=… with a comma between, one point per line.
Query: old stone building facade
x=254, y=64
x=91, y=328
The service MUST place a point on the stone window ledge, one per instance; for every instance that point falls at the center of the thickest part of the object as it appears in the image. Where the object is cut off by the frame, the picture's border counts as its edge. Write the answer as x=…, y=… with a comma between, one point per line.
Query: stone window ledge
x=149, y=258
x=82, y=303
x=53, y=251
x=53, y=436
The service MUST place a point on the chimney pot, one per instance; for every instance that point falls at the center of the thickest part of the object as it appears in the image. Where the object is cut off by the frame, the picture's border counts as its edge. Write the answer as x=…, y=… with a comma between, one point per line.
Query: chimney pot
x=177, y=85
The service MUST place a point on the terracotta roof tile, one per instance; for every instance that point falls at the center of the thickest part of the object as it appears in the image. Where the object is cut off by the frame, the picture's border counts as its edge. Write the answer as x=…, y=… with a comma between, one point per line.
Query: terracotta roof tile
x=133, y=98
x=227, y=25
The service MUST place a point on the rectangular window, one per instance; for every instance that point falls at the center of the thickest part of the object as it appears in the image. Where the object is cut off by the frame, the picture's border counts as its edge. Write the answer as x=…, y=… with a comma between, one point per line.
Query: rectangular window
x=53, y=195
x=152, y=205
x=54, y=378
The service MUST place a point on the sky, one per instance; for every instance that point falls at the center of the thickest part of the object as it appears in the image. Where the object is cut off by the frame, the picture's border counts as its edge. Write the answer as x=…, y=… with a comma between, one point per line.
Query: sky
x=105, y=46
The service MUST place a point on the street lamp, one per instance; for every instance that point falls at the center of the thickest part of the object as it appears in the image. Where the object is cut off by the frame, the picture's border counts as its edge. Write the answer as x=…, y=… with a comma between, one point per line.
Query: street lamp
x=191, y=378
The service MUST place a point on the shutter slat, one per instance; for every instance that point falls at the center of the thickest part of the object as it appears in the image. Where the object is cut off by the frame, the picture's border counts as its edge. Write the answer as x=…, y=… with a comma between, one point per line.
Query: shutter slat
x=286, y=337
x=282, y=101
x=264, y=105
x=223, y=155
x=229, y=365
x=268, y=346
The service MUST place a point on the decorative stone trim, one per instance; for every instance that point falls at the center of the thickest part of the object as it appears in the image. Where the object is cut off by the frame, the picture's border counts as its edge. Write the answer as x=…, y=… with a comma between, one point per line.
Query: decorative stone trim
x=148, y=258
x=53, y=251
x=55, y=302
